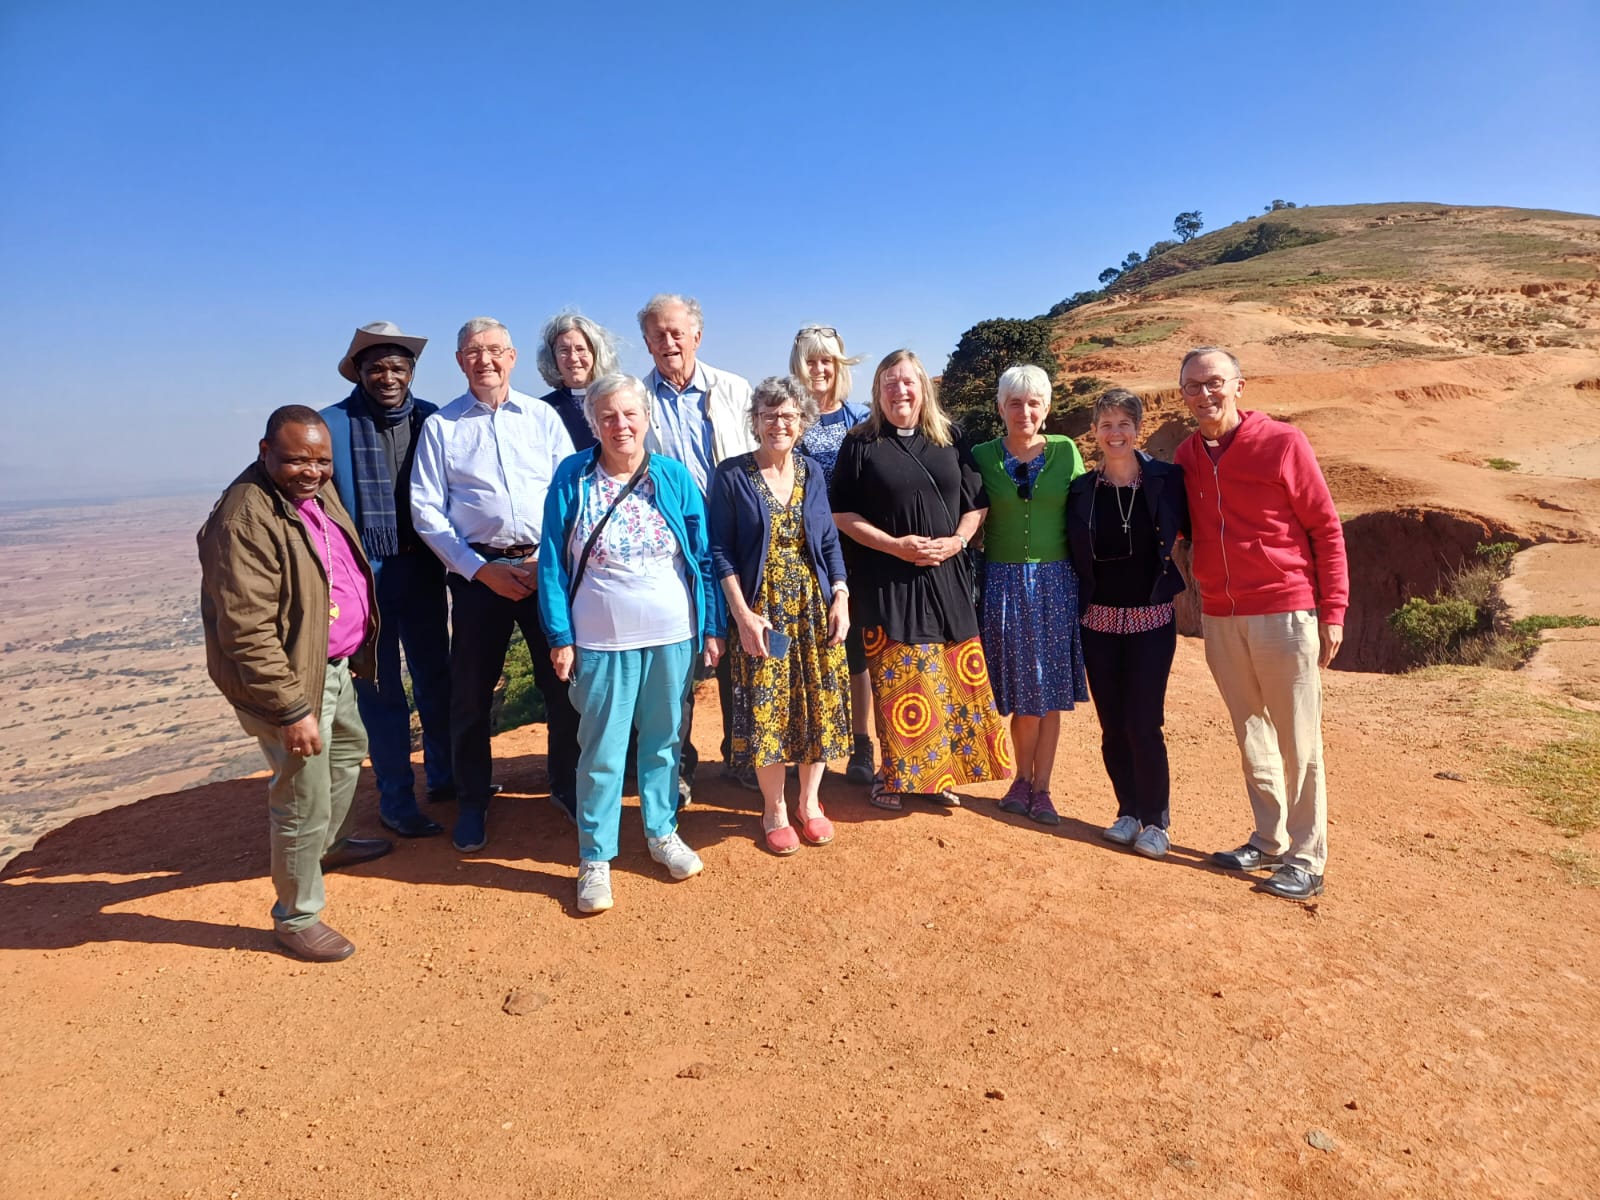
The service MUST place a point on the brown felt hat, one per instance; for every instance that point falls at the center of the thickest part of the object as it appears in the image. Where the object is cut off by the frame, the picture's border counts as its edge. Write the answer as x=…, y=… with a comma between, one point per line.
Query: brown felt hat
x=379, y=333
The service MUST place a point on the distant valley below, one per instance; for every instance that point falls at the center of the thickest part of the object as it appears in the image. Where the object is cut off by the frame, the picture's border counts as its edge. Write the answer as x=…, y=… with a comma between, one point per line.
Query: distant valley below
x=104, y=668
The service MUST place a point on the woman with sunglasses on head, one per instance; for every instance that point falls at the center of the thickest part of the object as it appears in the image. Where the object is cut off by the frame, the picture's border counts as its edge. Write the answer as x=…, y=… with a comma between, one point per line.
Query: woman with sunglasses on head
x=775, y=550
x=1122, y=521
x=1030, y=593
x=818, y=361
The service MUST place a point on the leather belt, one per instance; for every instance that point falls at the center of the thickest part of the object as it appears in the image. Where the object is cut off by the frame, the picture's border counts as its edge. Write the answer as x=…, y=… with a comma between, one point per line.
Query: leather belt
x=525, y=550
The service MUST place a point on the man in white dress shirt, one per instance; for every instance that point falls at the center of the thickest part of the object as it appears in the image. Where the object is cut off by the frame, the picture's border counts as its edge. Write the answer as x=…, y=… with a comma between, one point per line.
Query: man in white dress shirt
x=483, y=464
x=700, y=416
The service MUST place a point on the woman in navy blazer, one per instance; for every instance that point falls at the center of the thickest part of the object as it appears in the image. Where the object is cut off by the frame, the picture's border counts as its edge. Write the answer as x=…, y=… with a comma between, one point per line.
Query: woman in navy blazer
x=1123, y=519
x=775, y=549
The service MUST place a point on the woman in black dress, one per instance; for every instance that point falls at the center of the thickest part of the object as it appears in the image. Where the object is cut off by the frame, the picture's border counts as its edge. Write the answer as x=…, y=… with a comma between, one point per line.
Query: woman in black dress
x=908, y=498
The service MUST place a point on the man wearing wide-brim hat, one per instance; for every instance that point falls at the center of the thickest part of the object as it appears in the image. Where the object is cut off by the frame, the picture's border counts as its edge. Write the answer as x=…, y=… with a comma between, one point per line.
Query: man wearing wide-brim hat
x=374, y=432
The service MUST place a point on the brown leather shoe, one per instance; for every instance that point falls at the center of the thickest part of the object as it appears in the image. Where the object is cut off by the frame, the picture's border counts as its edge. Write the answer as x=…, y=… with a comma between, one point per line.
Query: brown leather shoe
x=316, y=943
x=355, y=850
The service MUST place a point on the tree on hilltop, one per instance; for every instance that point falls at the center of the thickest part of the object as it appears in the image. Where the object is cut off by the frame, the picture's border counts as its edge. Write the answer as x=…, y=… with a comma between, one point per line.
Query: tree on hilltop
x=1187, y=224
x=1133, y=260
x=981, y=357
x=1280, y=205
x=1109, y=275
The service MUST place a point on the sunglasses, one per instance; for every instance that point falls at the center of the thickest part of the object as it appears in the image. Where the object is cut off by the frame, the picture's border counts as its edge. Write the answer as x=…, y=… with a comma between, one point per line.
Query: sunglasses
x=827, y=331
x=1024, y=484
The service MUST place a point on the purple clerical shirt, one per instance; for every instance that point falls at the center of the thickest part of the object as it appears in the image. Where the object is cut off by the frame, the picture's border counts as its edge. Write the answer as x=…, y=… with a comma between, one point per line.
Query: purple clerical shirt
x=347, y=586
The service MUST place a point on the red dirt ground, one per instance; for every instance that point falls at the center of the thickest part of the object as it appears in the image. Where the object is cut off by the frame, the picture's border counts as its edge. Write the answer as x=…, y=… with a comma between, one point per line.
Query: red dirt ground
x=941, y=1004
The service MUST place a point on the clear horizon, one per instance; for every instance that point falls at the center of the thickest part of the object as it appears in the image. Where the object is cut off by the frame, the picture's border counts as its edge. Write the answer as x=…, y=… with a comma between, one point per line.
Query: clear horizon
x=202, y=204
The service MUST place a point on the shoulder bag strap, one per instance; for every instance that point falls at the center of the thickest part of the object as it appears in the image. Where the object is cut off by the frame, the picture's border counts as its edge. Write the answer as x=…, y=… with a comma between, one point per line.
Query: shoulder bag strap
x=594, y=534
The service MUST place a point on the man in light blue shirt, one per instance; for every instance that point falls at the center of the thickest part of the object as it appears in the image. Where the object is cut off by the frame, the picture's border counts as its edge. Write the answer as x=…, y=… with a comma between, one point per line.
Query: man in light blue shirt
x=483, y=464
x=700, y=416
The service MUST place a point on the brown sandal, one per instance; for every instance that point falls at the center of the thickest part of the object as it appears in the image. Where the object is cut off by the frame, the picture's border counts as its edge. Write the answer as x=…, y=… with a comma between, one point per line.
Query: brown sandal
x=878, y=797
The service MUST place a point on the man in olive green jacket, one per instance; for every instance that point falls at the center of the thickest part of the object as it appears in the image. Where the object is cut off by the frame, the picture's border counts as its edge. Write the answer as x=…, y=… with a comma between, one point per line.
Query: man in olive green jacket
x=288, y=606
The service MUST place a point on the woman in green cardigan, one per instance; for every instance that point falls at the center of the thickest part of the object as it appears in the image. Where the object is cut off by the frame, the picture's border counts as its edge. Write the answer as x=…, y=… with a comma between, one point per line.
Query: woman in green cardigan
x=1030, y=592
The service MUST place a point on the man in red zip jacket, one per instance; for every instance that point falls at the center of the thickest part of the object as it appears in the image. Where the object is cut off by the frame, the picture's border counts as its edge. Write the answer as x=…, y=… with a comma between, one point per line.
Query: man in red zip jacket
x=1270, y=565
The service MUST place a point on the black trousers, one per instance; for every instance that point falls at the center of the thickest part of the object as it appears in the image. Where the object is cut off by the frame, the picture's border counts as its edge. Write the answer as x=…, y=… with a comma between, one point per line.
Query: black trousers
x=481, y=622
x=688, y=756
x=1128, y=680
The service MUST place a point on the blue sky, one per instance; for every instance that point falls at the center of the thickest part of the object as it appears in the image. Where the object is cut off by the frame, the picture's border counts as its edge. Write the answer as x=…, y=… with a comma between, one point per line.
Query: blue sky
x=202, y=201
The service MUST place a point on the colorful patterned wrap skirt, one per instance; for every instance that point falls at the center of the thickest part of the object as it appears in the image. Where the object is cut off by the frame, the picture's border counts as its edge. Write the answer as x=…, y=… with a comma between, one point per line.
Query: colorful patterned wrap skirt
x=937, y=724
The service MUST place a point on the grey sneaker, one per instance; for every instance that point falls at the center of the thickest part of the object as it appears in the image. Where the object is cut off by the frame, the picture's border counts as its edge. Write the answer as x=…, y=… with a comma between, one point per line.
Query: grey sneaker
x=1247, y=858
x=685, y=792
x=1152, y=843
x=670, y=851
x=594, y=886
x=1122, y=831
x=1293, y=883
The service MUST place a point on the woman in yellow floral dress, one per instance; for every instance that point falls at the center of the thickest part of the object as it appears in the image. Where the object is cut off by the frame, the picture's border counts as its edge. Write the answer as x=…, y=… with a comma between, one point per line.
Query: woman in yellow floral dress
x=775, y=548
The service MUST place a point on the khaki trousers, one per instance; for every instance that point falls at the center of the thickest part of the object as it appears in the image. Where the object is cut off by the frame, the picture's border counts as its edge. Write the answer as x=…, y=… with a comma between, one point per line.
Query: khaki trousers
x=1266, y=669
x=308, y=799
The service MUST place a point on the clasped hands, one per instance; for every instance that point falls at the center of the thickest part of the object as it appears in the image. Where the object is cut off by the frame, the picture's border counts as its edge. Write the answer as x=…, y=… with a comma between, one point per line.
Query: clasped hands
x=927, y=551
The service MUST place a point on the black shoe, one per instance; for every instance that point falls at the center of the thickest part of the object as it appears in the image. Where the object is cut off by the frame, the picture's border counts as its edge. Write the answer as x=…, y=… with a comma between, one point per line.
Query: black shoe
x=745, y=777
x=1293, y=883
x=447, y=793
x=412, y=825
x=1247, y=858
x=859, y=769
x=355, y=850
x=472, y=828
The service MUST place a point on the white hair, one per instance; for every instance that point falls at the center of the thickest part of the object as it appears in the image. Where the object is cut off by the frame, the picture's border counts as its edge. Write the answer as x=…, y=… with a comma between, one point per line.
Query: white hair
x=664, y=300
x=480, y=325
x=608, y=385
x=1025, y=379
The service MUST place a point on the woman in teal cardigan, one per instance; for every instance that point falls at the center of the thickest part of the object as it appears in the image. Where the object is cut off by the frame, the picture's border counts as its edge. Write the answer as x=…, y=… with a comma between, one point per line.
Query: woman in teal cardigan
x=1030, y=593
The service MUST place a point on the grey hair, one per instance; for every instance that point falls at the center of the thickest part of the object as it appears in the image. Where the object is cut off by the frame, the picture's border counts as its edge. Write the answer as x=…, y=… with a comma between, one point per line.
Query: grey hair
x=1025, y=379
x=1118, y=400
x=661, y=300
x=1201, y=351
x=609, y=385
x=601, y=344
x=480, y=325
x=772, y=391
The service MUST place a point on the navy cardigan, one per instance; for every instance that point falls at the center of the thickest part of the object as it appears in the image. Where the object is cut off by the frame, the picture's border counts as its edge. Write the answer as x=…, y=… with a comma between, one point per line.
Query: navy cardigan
x=1169, y=508
x=741, y=529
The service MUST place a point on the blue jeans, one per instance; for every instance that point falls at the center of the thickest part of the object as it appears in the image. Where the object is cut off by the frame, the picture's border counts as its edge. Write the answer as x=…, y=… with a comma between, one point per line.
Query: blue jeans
x=613, y=691
x=411, y=610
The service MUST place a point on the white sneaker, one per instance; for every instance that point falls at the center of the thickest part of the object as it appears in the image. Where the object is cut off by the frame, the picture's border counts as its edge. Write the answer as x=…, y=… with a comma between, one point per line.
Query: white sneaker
x=594, y=886
x=670, y=851
x=1123, y=830
x=1152, y=843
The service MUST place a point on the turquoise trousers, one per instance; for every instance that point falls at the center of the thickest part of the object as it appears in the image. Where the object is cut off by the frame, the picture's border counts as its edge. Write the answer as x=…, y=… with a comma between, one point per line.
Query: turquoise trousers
x=614, y=690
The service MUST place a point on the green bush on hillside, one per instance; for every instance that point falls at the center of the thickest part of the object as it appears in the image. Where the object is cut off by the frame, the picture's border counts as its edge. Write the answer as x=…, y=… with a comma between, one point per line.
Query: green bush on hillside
x=1429, y=627
x=1268, y=236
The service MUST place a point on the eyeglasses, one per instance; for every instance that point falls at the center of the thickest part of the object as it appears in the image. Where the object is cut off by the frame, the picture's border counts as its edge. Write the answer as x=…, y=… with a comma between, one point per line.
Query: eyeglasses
x=1024, y=484
x=827, y=331
x=1207, y=385
x=788, y=419
x=479, y=353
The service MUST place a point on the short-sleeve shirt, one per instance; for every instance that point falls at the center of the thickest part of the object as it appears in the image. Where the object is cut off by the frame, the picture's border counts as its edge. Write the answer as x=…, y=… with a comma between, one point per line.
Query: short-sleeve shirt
x=908, y=485
x=632, y=594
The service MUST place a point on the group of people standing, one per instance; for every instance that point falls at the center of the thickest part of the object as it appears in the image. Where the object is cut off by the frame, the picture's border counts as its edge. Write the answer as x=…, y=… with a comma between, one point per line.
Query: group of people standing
x=812, y=553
